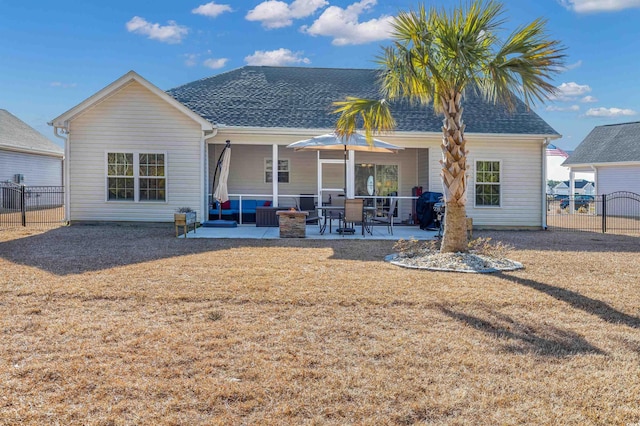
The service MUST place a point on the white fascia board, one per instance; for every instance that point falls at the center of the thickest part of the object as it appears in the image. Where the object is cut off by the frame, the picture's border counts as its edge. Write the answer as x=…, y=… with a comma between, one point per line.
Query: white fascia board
x=412, y=138
x=113, y=88
x=34, y=151
x=614, y=164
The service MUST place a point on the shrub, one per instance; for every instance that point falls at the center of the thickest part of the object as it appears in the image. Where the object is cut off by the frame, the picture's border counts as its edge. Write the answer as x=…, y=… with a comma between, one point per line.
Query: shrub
x=486, y=247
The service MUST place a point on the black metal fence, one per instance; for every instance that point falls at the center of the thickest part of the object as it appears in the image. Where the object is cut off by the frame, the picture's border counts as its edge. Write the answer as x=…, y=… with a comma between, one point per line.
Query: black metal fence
x=618, y=212
x=22, y=205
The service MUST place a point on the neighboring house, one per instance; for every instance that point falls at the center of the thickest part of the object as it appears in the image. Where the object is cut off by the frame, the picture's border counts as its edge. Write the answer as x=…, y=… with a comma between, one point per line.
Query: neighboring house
x=26, y=156
x=581, y=187
x=612, y=153
x=138, y=153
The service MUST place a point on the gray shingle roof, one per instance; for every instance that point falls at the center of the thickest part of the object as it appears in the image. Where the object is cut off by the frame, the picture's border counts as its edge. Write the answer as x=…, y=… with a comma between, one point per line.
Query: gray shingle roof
x=15, y=133
x=608, y=144
x=300, y=97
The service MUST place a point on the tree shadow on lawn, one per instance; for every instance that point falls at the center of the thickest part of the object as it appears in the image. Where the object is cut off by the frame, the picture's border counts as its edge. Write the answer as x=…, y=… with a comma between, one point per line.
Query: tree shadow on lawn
x=577, y=300
x=581, y=241
x=523, y=338
x=82, y=248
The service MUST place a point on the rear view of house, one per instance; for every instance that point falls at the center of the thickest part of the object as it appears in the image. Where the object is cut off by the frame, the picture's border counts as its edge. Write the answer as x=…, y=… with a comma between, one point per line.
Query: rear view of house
x=136, y=153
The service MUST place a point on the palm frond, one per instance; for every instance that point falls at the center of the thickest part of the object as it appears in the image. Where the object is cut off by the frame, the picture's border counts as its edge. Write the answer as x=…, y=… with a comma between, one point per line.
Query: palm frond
x=374, y=116
x=525, y=65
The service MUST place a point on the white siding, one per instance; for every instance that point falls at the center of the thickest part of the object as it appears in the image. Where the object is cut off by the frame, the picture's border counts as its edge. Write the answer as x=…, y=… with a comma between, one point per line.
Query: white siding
x=133, y=119
x=521, y=190
x=618, y=178
x=38, y=170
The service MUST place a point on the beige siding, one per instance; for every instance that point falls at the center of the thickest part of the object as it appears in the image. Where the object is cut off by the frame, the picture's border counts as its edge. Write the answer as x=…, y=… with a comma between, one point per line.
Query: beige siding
x=618, y=178
x=133, y=119
x=38, y=170
x=423, y=168
x=521, y=193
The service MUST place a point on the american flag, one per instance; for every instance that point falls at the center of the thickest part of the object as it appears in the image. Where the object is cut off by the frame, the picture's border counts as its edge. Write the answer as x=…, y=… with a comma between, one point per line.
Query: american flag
x=554, y=150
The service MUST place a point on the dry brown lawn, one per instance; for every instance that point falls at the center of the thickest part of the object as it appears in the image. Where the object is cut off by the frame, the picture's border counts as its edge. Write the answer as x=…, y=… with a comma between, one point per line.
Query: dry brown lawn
x=125, y=325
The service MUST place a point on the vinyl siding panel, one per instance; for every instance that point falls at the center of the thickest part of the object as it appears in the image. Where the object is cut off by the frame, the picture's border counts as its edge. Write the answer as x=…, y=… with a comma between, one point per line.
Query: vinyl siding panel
x=133, y=119
x=38, y=170
x=618, y=178
x=521, y=177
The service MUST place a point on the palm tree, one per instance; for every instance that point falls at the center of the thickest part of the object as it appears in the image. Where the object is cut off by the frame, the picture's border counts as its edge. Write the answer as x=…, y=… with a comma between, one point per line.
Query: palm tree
x=437, y=57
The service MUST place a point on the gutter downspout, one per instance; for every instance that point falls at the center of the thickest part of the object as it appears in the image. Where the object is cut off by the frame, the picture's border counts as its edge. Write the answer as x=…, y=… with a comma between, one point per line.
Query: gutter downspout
x=65, y=167
x=545, y=143
x=204, y=177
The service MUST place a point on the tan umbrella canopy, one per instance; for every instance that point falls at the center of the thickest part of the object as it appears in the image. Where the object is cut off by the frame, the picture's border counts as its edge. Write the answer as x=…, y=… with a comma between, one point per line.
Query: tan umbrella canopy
x=355, y=142
x=331, y=141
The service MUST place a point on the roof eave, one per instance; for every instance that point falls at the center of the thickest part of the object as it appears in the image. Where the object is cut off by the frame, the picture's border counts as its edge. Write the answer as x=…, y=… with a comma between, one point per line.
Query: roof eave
x=405, y=134
x=26, y=150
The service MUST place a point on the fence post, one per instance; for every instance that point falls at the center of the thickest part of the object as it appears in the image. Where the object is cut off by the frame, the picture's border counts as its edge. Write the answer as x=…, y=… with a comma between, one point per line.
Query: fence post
x=23, y=205
x=604, y=213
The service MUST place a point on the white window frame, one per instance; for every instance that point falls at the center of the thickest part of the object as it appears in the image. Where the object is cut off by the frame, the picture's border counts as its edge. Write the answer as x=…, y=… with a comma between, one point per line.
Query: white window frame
x=264, y=174
x=475, y=183
x=136, y=176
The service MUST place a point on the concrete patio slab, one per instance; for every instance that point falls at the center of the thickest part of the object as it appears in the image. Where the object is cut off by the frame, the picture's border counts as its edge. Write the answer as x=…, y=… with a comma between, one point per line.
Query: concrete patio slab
x=312, y=233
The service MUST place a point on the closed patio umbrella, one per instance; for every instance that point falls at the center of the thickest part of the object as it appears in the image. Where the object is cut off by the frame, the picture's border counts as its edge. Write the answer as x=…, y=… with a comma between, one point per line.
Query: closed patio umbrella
x=221, y=193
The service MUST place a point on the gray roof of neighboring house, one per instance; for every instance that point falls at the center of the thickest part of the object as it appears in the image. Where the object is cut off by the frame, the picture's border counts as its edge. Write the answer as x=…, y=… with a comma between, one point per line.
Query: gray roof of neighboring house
x=612, y=143
x=18, y=135
x=301, y=97
x=578, y=183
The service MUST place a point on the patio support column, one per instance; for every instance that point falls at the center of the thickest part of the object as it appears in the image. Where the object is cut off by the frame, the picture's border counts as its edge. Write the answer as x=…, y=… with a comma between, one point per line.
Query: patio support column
x=274, y=174
x=350, y=183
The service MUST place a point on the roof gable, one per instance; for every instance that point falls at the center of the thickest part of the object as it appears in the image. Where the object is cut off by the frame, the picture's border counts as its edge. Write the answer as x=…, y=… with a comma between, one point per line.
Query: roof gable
x=17, y=135
x=301, y=97
x=613, y=143
x=117, y=86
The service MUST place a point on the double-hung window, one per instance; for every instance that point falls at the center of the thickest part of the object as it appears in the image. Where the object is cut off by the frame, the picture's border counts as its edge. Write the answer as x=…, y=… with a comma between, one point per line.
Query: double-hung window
x=135, y=176
x=488, y=184
x=283, y=170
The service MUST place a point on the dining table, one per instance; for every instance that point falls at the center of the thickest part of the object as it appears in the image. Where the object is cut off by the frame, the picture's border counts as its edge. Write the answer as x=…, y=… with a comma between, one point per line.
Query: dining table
x=330, y=212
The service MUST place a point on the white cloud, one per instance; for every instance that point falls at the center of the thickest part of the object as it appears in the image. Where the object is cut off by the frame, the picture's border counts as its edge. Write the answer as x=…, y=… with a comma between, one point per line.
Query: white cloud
x=211, y=9
x=587, y=6
x=62, y=85
x=191, y=59
x=573, y=66
x=588, y=100
x=277, y=57
x=215, y=63
x=277, y=14
x=172, y=33
x=552, y=108
x=343, y=25
x=609, y=112
x=570, y=91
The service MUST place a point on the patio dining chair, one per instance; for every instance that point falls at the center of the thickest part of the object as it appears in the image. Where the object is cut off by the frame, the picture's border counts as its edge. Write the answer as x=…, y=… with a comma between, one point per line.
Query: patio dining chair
x=307, y=204
x=387, y=218
x=354, y=215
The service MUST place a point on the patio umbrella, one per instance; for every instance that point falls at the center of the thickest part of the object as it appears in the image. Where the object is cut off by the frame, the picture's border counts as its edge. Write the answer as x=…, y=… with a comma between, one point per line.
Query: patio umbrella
x=355, y=142
x=221, y=193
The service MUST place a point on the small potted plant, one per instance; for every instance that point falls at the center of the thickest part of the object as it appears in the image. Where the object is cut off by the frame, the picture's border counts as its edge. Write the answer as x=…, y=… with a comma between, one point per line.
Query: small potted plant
x=184, y=217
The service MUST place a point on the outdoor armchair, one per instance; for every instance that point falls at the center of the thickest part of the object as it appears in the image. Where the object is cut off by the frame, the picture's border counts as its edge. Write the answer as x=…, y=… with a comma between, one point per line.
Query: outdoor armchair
x=387, y=218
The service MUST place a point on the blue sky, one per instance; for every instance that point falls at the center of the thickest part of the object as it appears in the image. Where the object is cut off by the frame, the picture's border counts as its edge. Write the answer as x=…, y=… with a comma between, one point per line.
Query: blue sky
x=53, y=55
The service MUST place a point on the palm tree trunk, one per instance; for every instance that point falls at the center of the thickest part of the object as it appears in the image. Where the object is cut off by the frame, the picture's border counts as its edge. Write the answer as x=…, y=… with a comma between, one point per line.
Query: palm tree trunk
x=454, y=179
